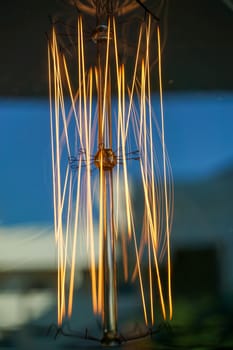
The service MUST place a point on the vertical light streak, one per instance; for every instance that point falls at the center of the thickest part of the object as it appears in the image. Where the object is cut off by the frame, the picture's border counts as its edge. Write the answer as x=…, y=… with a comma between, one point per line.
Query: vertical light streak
x=72, y=99
x=118, y=77
x=153, y=204
x=61, y=248
x=101, y=238
x=153, y=243
x=140, y=275
x=144, y=125
x=159, y=281
x=123, y=141
x=106, y=80
x=60, y=97
x=100, y=260
x=89, y=215
x=80, y=81
x=142, y=244
x=71, y=287
x=165, y=175
x=171, y=203
x=150, y=281
x=134, y=79
x=52, y=143
x=141, y=106
x=56, y=154
x=57, y=184
x=90, y=108
x=68, y=222
x=63, y=113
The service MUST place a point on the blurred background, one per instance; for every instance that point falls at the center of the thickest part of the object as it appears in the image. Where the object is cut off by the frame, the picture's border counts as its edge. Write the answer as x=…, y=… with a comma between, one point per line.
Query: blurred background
x=198, y=102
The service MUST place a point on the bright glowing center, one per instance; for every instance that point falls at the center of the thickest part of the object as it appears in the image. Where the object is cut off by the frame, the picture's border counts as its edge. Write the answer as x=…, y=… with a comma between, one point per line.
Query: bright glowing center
x=105, y=157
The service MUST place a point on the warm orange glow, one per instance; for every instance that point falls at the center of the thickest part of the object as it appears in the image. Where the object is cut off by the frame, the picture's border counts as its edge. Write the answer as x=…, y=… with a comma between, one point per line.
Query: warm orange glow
x=82, y=128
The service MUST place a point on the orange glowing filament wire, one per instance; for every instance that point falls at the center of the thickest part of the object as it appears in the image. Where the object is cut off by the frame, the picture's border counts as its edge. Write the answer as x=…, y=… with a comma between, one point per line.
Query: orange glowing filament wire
x=74, y=133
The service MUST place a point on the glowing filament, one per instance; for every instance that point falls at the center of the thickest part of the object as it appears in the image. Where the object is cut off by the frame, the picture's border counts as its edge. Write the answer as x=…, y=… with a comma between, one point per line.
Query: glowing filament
x=85, y=157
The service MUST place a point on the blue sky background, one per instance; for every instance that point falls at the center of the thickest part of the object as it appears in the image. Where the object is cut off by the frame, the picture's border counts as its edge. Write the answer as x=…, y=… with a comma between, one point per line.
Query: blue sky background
x=199, y=139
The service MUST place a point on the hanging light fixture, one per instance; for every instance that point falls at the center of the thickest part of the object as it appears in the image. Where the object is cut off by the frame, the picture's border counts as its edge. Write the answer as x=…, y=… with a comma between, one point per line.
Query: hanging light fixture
x=104, y=131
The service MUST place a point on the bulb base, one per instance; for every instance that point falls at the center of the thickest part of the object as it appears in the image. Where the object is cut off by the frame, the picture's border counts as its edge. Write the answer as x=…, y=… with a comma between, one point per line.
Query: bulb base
x=111, y=338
